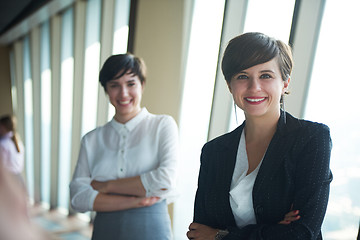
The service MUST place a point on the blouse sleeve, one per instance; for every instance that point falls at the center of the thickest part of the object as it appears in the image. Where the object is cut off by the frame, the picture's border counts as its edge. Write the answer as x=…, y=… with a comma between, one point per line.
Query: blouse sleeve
x=81, y=193
x=161, y=181
x=312, y=183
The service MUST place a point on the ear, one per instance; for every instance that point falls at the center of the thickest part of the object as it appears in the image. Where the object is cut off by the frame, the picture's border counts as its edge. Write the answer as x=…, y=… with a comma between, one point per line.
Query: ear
x=143, y=87
x=286, y=85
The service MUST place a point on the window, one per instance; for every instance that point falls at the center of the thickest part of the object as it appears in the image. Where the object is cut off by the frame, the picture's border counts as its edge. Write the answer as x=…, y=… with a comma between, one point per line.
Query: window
x=45, y=112
x=66, y=102
x=332, y=99
x=196, y=104
x=91, y=68
x=28, y=118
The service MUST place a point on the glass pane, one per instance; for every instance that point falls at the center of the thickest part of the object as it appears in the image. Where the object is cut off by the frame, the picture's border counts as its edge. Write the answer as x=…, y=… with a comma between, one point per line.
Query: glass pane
x=121, y=26
x=66, y=102
x=272, y=18
x=28, y=121
x=91, y=65
x=331, y=100
x=45, y=112
x=196, y=103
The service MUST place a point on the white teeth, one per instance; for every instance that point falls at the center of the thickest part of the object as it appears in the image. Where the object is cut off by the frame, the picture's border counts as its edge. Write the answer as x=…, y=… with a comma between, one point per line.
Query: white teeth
x=255, y=99
x=125, y=102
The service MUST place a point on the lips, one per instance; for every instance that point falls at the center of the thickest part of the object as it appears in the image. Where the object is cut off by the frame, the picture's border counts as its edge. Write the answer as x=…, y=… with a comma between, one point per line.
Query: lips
x=255, y=99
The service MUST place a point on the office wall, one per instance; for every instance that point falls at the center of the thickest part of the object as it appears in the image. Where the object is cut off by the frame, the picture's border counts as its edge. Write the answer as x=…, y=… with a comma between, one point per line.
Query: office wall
x=5, y=82
x=160, y=38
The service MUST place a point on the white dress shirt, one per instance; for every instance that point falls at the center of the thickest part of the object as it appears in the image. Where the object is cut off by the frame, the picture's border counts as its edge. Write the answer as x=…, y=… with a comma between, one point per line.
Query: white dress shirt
x=9, y=156
x=241, y=188
x=147, y=145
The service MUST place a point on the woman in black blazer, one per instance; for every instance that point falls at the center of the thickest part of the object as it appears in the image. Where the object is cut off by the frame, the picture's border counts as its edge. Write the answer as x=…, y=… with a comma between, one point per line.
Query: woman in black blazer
x=270, y=177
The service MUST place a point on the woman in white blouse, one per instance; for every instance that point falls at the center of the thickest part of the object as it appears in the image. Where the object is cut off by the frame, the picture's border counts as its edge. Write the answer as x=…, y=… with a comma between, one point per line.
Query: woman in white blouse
x=126, y=169
x=270, y=177
x=11, y=147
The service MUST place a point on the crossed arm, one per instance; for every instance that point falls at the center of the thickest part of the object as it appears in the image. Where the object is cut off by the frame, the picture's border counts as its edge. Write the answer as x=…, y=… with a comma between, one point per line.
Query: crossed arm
x=121, y=194
x=202, y=232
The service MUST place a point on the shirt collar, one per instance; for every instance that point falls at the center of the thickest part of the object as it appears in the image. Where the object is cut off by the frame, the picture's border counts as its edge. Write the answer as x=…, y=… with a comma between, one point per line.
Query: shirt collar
x=132, y=123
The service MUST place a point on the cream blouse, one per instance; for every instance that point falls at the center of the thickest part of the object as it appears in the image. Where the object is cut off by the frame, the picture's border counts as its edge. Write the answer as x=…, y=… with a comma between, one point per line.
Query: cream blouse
x=242, y=186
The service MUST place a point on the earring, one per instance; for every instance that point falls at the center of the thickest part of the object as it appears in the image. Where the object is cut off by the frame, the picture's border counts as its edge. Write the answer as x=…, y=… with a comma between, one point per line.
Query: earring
x=282, y=106
x=236, y=119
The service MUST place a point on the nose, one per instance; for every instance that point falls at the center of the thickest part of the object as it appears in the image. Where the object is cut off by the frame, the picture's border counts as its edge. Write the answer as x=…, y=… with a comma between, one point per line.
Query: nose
x=124, y=92
x=254, y=84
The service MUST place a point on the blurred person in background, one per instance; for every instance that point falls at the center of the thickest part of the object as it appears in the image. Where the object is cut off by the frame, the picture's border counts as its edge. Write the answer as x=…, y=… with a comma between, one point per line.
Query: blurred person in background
x=11, y=147
x=126, y=169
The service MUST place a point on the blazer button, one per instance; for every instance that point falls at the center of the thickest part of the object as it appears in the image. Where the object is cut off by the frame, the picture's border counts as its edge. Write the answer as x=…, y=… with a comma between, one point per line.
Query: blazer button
x=259, y=210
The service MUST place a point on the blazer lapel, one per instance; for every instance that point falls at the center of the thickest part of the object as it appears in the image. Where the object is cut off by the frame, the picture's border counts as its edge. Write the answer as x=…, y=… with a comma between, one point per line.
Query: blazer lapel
x=276, y=152
x=227, y=156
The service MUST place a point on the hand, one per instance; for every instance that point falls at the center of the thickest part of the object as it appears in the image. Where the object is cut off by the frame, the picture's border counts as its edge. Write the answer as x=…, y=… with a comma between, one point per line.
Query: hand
x=290, y=217
x=201, y=232
x=100, y=186
x=148, y=201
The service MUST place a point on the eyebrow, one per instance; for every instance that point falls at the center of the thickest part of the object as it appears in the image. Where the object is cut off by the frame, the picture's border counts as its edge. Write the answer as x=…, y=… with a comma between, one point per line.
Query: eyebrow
x=262, y=71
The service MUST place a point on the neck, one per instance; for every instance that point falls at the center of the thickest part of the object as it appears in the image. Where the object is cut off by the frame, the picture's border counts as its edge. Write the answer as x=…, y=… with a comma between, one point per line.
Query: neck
x=124, y=118
x=261, y=128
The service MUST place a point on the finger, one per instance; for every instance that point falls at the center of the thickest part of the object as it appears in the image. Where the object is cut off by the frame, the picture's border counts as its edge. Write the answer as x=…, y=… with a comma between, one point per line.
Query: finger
x=292, y=219
x=189, y=235
x=285, y=222
x=292, y=213
x=193, y=226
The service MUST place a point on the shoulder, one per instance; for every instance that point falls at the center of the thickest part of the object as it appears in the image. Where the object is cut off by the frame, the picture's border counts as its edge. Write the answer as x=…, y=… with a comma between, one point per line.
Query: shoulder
x=96, y=132
x=306, y=127
x=227, y=140
x=160, y=120
x=305, y=133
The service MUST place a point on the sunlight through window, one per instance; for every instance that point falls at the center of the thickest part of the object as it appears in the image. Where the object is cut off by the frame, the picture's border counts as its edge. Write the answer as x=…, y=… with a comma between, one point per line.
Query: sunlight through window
x=91, y=66
x=66, y=107
x=28, y=110
x=331, y=101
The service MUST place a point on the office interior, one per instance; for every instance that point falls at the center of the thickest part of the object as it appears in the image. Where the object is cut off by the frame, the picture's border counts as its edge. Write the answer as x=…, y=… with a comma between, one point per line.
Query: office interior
x=52, y=50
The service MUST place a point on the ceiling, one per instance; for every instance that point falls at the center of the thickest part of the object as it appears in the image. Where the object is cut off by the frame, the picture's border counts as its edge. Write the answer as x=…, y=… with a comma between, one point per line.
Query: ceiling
x=14, y=11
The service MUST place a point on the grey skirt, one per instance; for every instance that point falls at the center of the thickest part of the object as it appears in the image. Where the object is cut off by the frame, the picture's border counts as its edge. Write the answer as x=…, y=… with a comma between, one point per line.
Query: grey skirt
x=148, y=223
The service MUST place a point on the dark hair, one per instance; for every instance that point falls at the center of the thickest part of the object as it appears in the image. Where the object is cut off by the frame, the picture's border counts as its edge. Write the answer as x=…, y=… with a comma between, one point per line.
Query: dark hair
x=8, y=122
x=124, y=63
x=253, y=48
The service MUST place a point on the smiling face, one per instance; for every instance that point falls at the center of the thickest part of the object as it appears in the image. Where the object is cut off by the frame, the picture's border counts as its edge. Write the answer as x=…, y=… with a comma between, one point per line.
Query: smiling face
x=258, y=89
x=125, y=94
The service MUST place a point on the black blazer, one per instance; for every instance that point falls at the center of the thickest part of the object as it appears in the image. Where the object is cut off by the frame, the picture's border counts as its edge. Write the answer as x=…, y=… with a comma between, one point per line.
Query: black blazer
x=294, y=172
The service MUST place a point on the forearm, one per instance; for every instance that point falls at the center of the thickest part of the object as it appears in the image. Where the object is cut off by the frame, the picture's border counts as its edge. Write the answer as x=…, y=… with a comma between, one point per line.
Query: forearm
x=131, y=186
x=107, y=202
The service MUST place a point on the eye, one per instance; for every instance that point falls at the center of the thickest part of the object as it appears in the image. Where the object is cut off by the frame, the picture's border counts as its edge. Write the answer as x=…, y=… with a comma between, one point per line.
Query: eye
x=242, y=76
x=265, y=76
x=113, y=86
x=131, y=84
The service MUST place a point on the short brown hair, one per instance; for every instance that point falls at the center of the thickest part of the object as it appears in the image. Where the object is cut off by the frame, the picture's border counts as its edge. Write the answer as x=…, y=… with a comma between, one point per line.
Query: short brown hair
x=122, y=62
x=253, y=48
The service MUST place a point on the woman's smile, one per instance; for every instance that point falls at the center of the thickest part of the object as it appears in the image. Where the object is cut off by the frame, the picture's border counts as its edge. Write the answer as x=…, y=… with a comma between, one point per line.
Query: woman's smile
x=255, y=100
